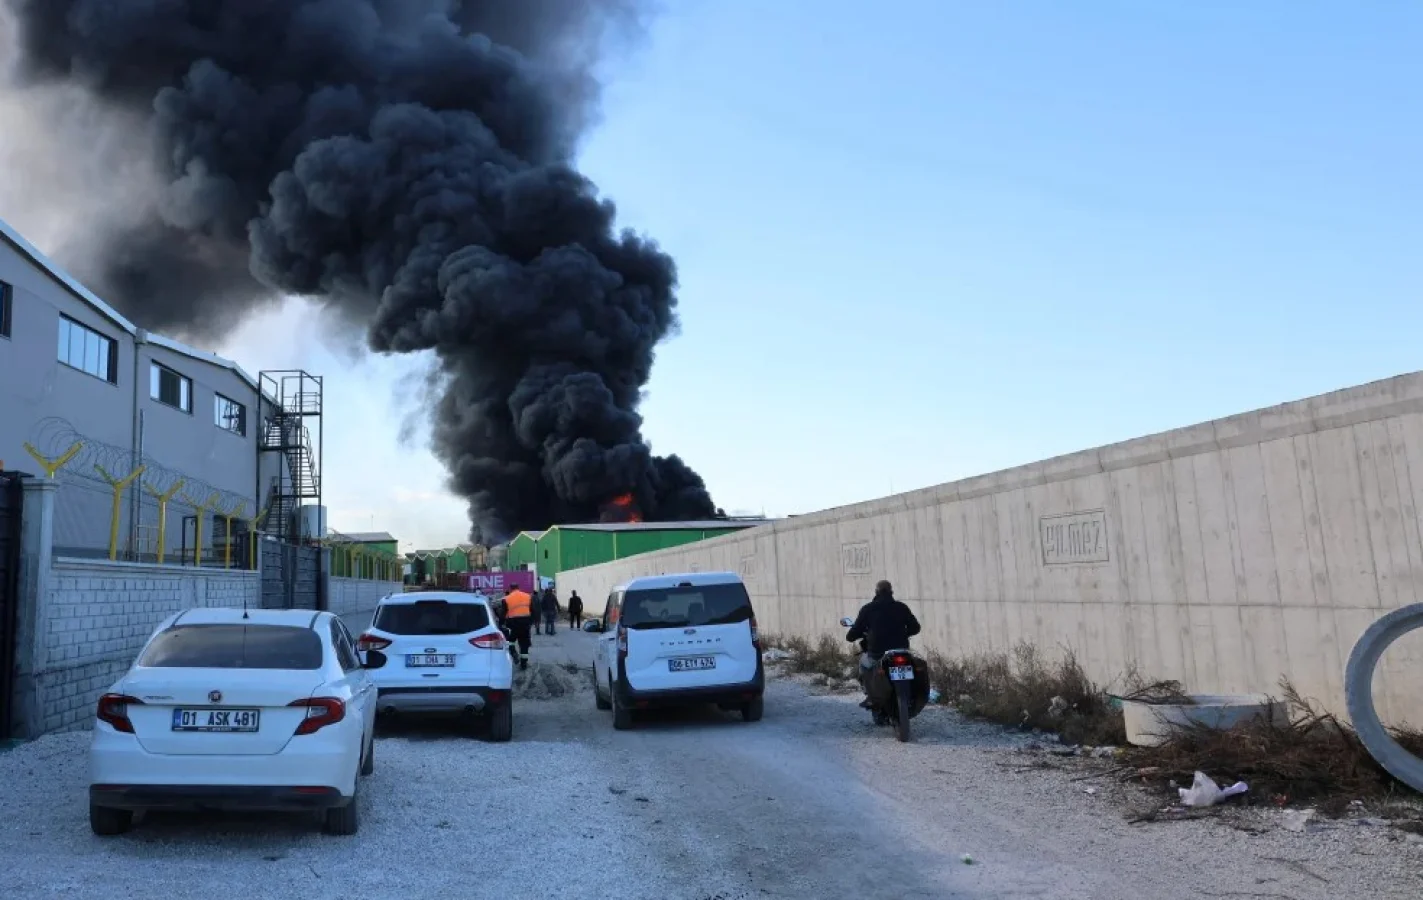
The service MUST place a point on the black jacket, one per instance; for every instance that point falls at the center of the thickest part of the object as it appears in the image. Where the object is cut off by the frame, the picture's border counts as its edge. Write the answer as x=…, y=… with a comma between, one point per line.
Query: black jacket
x=575, y=605
x=550, y=603
x=884, y=624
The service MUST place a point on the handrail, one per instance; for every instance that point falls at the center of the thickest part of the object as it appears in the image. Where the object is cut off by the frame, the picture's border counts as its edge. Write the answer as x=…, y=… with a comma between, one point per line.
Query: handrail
x=1359, y=694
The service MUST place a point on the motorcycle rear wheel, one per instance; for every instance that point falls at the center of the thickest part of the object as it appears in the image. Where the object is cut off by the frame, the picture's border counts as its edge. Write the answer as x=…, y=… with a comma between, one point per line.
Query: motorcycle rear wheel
x=901, y=724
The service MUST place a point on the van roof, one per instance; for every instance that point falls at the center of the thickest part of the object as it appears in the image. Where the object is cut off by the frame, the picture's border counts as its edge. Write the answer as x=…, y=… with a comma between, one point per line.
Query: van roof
x=412, y=597
x=695, y=579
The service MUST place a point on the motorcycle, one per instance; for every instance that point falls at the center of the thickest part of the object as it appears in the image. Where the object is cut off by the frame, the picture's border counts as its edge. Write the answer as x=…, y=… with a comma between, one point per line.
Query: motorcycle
x=896, y=685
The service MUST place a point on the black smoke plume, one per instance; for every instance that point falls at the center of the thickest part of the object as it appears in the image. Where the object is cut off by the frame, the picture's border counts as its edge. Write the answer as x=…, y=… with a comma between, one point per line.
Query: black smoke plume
x=407, y=163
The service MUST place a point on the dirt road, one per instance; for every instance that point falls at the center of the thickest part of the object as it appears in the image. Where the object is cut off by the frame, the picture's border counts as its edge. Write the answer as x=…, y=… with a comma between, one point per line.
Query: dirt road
x=812, y=802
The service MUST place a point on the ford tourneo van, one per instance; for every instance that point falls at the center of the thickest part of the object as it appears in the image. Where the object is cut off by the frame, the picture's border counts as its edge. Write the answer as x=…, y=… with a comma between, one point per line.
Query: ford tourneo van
x=674, y=640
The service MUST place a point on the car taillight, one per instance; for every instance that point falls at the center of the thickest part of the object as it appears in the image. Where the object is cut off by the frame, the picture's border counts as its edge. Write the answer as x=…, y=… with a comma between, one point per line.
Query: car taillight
x=113, y=708
x=622, y=641
x=368, y=642
x=755, y=634
x=320, y=712
x=490, y=642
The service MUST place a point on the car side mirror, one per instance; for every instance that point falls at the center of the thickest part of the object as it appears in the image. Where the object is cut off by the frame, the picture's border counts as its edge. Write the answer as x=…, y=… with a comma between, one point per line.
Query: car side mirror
x=847, y=622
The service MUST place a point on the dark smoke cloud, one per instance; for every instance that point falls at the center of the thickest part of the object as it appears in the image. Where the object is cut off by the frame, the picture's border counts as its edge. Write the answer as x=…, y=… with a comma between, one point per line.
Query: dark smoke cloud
x=408, y=164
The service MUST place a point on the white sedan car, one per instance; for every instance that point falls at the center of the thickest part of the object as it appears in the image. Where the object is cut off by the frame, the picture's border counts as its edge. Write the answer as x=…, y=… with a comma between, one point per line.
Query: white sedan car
x=236, y=709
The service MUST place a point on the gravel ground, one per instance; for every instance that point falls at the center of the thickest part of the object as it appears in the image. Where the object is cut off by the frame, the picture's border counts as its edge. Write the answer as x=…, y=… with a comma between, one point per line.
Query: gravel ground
x=812, y=802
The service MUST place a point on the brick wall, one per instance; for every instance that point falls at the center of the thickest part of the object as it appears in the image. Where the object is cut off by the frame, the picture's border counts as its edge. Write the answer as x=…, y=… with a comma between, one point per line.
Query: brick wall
x=97, y=614
x=345, y=596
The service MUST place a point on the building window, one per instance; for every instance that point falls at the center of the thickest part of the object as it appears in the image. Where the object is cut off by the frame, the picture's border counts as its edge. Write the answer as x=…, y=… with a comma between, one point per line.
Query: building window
x=229, y=415
x=7, y=299
x=170, y=388
x=87, y=350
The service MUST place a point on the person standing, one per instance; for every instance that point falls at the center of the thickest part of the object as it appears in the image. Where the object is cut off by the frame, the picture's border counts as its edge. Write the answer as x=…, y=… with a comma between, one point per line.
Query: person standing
x=550, y=609
x=575, y=611
x=520, y=618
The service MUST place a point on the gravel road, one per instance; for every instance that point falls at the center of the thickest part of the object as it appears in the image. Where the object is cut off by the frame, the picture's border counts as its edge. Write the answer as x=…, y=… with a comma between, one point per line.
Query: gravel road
x=812, y=802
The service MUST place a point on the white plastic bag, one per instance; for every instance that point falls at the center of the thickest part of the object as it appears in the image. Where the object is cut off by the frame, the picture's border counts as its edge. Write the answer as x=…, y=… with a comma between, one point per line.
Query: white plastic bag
x=1205, y=792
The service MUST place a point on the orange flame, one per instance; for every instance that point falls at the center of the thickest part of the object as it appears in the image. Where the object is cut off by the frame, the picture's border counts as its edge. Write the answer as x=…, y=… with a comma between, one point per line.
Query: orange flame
x=627, y=504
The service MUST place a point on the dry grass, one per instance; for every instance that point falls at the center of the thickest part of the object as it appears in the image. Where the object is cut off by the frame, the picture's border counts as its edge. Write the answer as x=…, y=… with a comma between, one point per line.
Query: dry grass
x=826, y=656
x=1306, y=757
x=1022, y=689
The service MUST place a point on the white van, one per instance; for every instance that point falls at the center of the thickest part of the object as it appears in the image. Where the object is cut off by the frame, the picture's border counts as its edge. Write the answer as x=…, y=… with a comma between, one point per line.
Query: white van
x=675, y=640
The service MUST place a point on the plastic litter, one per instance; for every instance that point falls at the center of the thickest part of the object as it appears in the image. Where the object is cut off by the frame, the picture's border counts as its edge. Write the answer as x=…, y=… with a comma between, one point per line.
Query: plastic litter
x=1296, y=819
x=934, y=695
x=1205, y=792
x=967, y=859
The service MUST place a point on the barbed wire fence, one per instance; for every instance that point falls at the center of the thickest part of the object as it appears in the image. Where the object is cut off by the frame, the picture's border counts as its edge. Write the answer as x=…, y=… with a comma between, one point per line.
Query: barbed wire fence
x=114, y=504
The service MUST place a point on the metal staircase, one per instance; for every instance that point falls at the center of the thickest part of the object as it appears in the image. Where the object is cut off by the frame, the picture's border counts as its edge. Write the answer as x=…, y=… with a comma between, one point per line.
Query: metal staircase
x=292, y=401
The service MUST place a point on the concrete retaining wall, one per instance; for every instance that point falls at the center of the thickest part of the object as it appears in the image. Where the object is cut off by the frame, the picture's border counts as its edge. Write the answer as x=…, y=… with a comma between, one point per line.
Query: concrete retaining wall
x=1225, y=555
x=345, y=596
x=96, y=615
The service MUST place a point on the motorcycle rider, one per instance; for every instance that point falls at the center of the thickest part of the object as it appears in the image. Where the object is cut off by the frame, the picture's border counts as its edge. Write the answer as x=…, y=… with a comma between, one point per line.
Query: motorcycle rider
x=883, y=624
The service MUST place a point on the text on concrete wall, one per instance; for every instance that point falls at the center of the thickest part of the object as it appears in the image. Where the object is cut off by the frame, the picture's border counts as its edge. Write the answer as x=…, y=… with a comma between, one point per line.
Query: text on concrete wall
x=856, y=559
x=1074, y=538
x=747, y=568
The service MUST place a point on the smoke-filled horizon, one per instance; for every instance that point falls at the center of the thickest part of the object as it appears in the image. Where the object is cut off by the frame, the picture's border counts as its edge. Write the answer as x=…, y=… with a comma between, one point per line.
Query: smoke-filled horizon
x=409, y=165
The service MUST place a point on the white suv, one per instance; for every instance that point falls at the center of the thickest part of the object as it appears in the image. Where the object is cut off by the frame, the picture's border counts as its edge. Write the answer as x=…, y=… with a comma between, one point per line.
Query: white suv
x=441, y=652
x=674, y=640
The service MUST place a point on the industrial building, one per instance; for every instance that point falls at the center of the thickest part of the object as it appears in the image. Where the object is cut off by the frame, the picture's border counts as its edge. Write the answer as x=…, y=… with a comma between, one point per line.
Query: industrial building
x=565, y=547
x=432, y=566
x=200, y=453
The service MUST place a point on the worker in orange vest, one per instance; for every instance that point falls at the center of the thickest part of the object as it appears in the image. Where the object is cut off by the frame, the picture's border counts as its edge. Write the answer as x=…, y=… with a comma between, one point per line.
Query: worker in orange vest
x=520, y=619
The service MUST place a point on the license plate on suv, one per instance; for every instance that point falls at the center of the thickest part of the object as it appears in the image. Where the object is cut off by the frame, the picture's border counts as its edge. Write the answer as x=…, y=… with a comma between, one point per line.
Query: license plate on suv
x=691, y=663
x=429, y=660
x=901, y=673
x=225, y=720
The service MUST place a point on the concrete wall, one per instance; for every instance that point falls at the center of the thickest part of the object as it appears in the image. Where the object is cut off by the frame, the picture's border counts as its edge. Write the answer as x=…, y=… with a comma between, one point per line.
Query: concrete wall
x=1225, y=555
x=94, y=617
x=345, y=596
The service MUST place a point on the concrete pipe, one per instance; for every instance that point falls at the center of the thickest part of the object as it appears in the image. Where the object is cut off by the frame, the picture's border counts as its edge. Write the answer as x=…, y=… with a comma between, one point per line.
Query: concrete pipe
x=1359, y=693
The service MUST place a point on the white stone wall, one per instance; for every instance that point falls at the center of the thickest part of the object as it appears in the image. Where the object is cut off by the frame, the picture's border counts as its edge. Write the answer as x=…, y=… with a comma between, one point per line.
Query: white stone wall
x=97, y=614
x=346, y=596
x=1225, y=555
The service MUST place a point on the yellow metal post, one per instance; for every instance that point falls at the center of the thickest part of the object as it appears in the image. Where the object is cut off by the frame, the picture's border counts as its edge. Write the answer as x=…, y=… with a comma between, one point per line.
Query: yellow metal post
x=163, y=499
x=231, y=514
x=252, y=536
x=201, y=510
x=51, y=466
x=118, y=485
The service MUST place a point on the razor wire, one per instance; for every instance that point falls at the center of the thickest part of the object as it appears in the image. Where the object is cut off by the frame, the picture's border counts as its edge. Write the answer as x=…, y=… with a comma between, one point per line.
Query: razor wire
x=93, y=472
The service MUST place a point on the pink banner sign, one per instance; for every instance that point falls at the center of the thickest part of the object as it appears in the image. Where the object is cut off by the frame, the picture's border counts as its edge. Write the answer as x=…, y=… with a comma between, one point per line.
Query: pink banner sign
x=501, y=582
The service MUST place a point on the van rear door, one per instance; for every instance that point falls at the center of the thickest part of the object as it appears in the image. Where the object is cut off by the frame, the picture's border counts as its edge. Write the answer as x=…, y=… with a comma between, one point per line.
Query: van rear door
x=689, y=636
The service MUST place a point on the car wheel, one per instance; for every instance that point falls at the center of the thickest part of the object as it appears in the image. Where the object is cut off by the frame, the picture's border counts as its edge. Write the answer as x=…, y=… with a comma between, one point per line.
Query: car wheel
x=107, y=821
x=598, y=699
x=622, y=716
x=368, y=765
x=343, y=820
x=753, y=711
x=501, y=722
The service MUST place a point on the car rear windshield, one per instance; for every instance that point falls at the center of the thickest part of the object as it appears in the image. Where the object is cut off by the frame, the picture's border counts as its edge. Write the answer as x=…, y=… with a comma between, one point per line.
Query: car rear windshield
x=432, y=617
x=234, y=647
x=681, y=607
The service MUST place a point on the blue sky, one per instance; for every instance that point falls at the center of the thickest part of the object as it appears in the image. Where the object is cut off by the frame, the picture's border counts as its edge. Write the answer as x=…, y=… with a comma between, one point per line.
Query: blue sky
x=945, y=238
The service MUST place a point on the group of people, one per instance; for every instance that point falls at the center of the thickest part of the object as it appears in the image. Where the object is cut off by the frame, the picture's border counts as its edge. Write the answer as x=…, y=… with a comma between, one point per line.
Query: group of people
x=522, y=614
